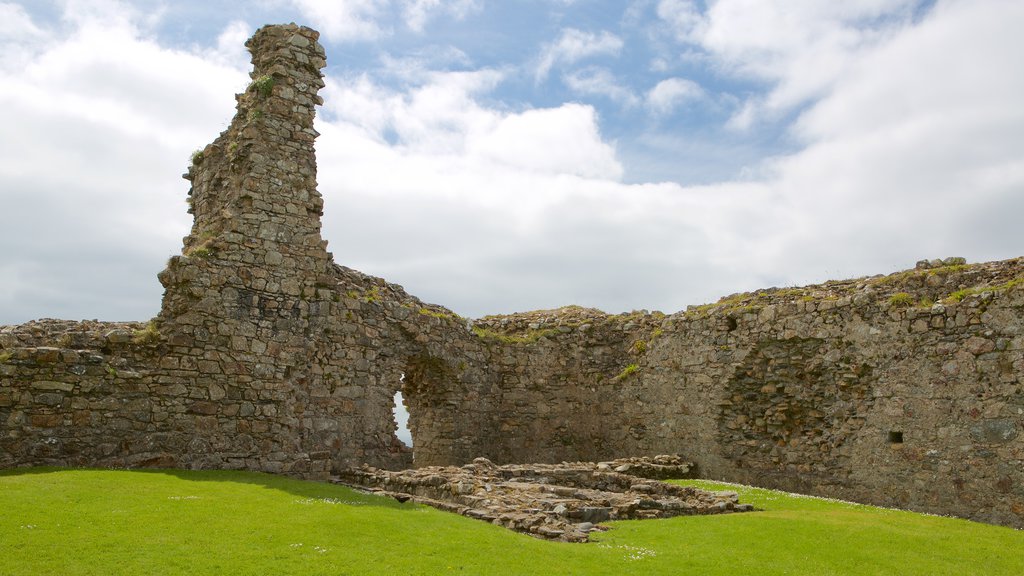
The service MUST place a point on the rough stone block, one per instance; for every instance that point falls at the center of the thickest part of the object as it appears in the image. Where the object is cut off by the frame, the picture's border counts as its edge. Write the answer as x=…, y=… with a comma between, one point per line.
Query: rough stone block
x=52, y=385
x=995, y=431
x=45, y=420
x=49, y=399
x=204, y=408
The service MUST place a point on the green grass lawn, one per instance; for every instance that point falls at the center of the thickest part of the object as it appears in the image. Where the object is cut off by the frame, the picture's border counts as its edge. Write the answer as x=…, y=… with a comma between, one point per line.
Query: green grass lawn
x=57, y=522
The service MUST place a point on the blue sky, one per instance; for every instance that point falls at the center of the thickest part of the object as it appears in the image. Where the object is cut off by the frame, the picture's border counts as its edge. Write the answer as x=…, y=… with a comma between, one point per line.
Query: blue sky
x=501, y=156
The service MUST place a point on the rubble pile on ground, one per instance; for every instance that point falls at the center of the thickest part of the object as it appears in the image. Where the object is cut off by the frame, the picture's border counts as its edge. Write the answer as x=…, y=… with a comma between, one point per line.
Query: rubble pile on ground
x=563, y=501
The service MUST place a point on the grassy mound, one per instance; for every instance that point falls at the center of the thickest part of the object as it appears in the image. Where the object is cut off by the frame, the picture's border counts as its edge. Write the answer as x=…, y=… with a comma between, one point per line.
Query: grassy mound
x=172, y=522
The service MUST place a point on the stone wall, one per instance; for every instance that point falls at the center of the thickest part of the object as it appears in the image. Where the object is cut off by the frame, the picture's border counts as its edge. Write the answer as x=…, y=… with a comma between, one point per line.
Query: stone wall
x=556, y=388
x=266, y=355
x=904, y=390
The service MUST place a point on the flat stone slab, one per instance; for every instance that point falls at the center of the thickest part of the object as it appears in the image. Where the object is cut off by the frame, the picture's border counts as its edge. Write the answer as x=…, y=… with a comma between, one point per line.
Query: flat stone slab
x=563, y=501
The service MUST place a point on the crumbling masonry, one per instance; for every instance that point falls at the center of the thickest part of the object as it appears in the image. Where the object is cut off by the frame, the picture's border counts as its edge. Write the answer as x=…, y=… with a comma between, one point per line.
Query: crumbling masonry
x=905, y=390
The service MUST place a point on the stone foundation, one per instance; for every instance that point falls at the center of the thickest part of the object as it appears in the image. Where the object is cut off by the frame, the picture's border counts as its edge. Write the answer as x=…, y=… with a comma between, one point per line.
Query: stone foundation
x=563, y=501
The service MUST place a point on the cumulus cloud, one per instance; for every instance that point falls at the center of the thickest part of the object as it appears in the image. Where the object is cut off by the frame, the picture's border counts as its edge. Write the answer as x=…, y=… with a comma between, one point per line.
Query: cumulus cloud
x=671, y=93
x=483, y=234
x=920, y=138
x=557, y=141
x=441, y=117
x=105, y=120
x=345, y=20
x=436, y=114
x=574, y=45
x=230, y=50
x=799, y=48
x=367, y=20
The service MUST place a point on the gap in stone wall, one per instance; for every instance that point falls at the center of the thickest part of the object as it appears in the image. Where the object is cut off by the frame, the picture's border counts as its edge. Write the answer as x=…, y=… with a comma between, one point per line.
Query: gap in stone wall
x=401, y=416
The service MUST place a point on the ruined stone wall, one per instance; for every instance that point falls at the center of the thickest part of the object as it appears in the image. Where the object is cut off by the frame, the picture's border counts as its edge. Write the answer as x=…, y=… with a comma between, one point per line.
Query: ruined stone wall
x=557, y=386
x=903, y=390
x=265, y=355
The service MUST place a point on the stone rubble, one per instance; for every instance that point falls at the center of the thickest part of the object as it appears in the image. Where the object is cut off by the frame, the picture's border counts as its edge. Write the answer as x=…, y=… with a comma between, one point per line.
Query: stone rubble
x=563, y=501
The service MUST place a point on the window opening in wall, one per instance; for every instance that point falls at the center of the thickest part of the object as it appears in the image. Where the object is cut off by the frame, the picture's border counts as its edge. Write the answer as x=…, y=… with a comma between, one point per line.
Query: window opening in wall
x=402, y=417
x=895, y=437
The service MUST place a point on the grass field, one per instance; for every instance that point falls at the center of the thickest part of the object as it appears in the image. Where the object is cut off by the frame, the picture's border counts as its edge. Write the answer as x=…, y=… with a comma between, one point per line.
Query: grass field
x=57, y=522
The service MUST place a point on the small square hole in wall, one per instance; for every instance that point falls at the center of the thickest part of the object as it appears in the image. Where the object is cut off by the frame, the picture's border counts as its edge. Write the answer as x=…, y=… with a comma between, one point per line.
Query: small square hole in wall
x=895, y=437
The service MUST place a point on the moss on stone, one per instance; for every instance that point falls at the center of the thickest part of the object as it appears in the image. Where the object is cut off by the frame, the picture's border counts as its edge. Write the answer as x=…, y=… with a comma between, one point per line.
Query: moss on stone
x=149, y=334
x=628, y=371
x=901, y=300
x=437, y=314
x=527, y=337
x=960, y=295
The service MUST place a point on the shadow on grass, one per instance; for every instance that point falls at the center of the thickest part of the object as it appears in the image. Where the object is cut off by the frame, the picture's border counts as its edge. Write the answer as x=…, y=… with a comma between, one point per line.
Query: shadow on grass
x=302, y=488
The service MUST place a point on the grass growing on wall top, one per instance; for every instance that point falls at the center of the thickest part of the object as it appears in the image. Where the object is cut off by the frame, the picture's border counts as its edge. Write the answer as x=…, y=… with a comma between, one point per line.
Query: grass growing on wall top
x=168, y=522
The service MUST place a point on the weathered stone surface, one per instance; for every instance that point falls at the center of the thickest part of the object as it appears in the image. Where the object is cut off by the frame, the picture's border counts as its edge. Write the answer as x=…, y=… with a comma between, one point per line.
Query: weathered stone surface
x=554, y=501
x=995, y=431
x=904, y=390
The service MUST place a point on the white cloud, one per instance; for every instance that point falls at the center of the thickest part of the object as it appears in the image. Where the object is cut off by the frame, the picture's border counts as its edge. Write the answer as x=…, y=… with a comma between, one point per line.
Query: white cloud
x=437, y=115
x=685, y=18
x=418, y=12
x=116, y=79
x=799, y=48
x=441, y=118
x=671, y=93
x=558, y=141
x=104, y=120
x=230, y=50
x=20, y=38
x=574, y=45
x=365, y=20
x=918, y=143
x=345, y=20
x=600, y=82
x=516, y=230
x=114, y=13
x=17, y=25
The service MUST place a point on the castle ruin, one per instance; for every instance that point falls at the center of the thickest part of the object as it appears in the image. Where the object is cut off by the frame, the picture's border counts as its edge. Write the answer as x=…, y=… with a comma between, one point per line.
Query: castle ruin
x=904, y=390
